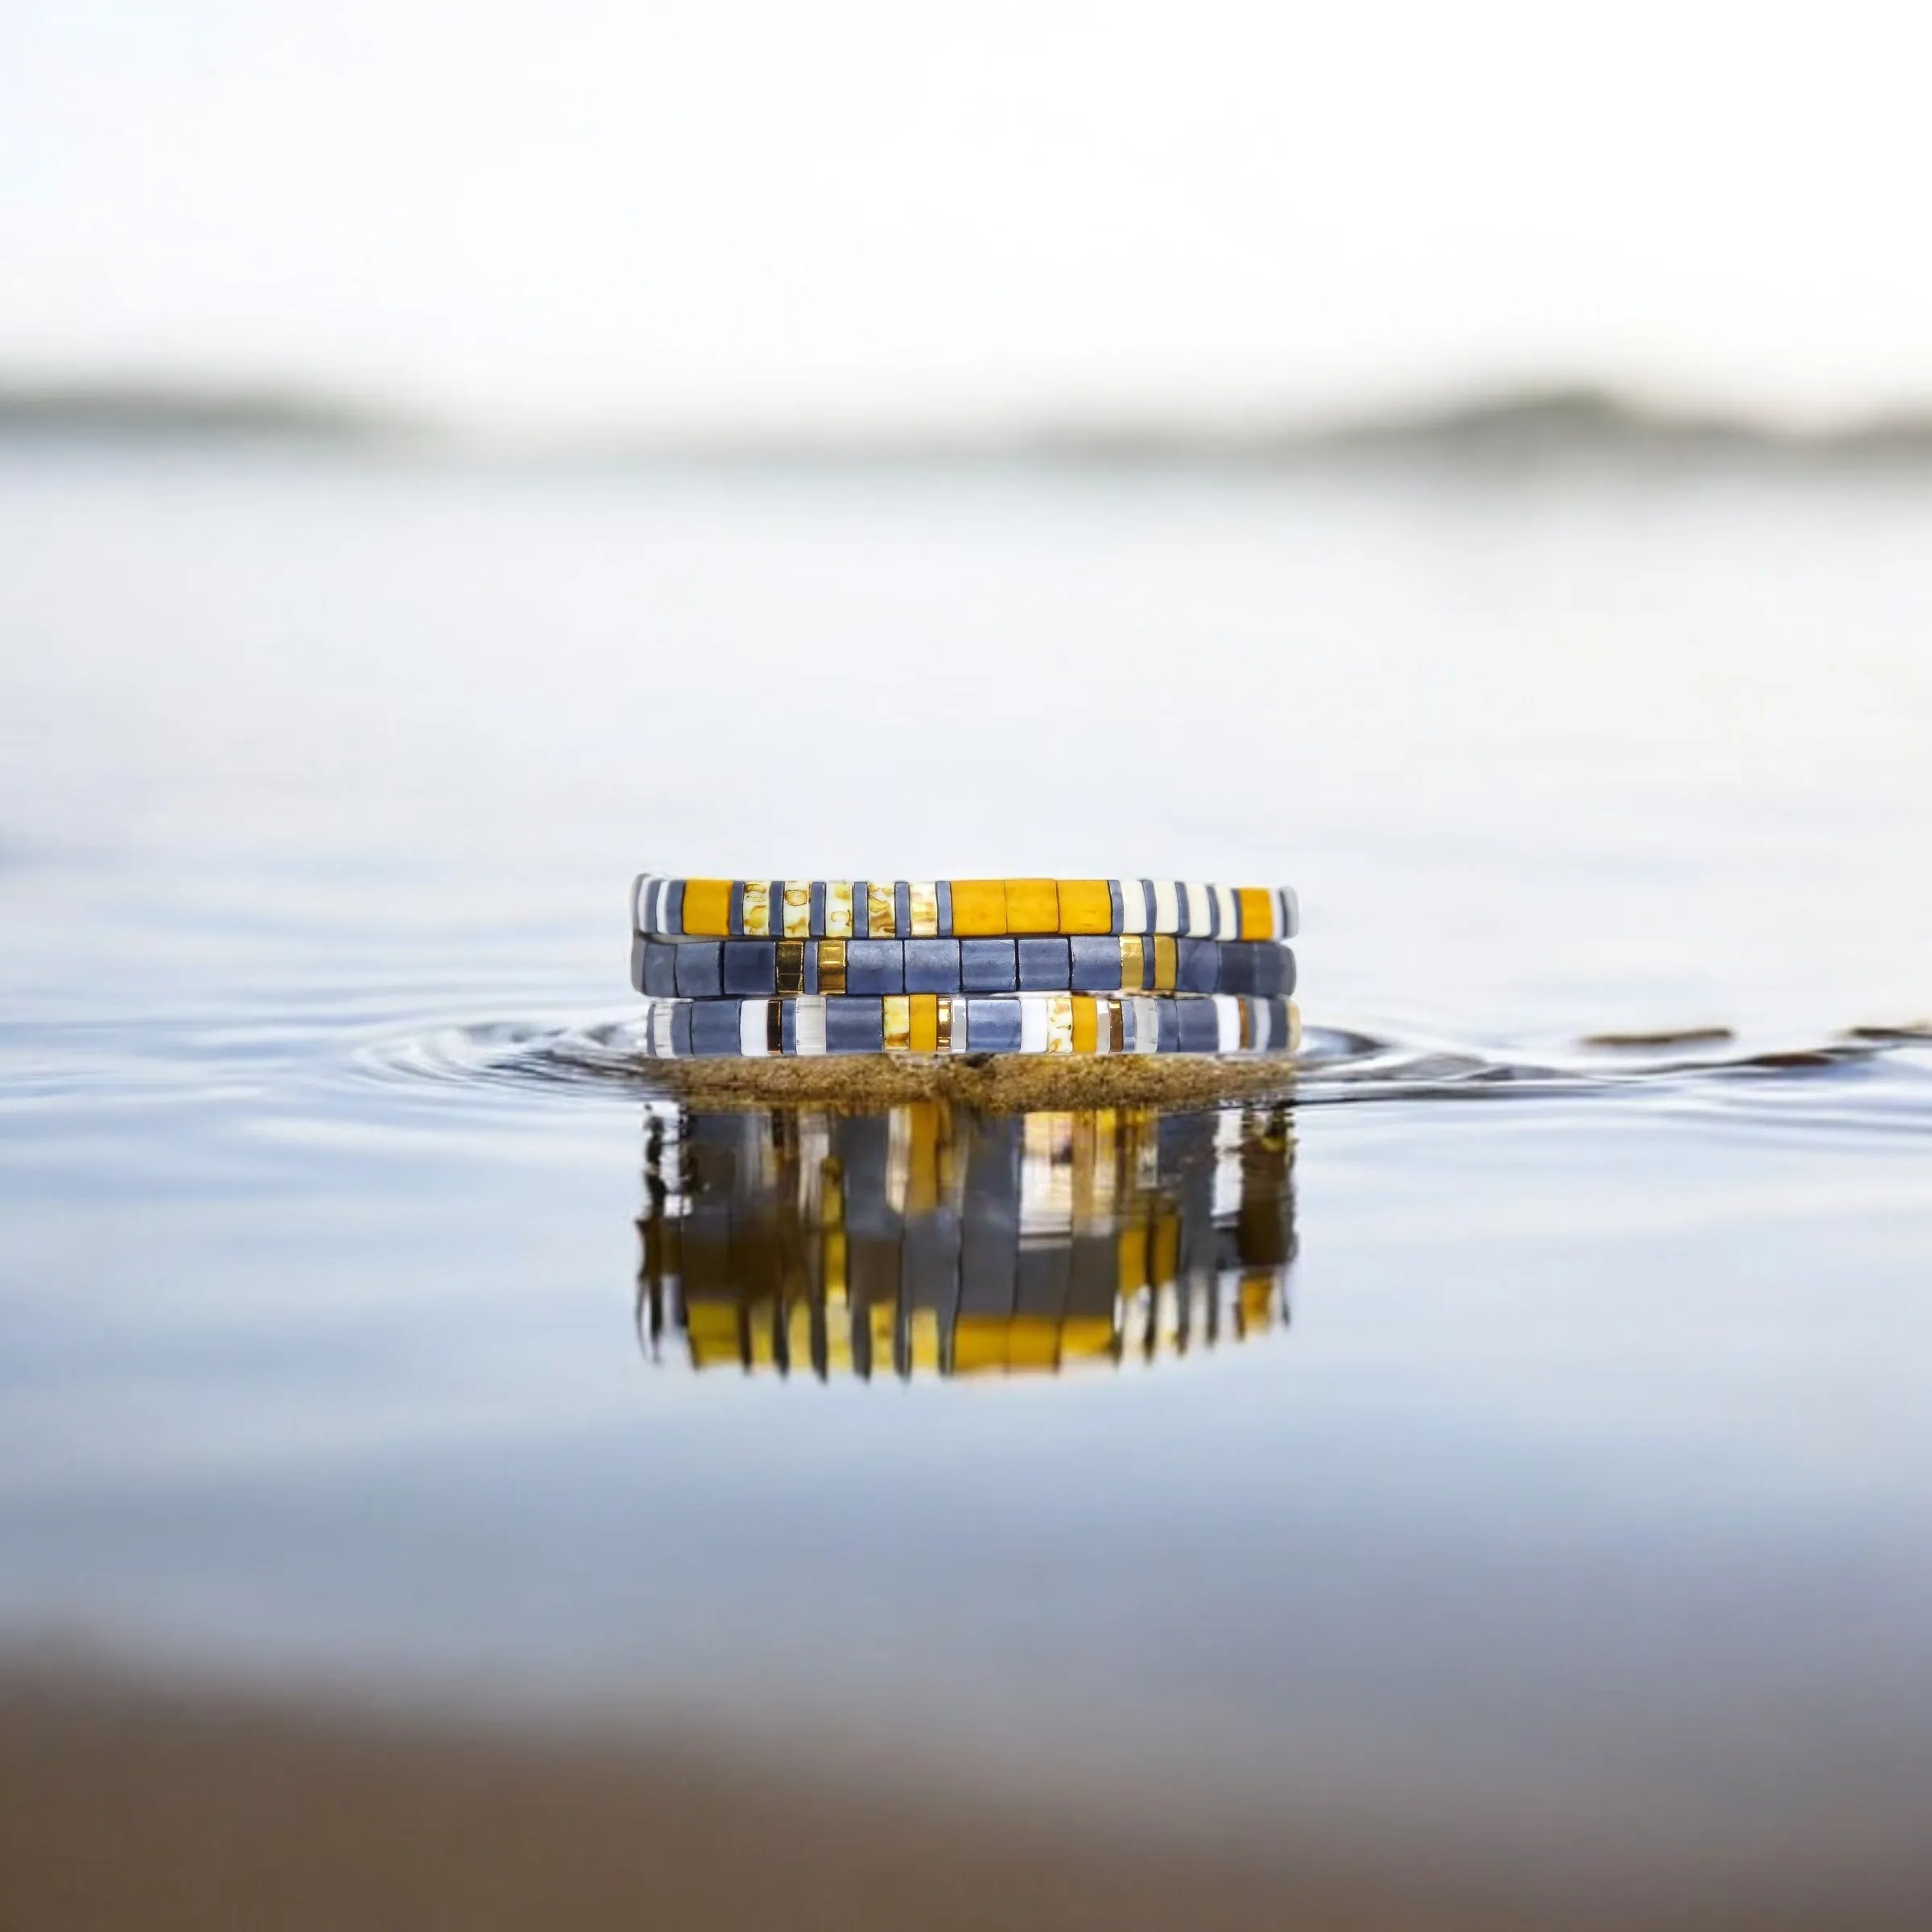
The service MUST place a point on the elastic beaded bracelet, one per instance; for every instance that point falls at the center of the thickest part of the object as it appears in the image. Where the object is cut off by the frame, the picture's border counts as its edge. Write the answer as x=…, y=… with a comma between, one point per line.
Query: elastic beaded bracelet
x=956, y=909
x=1104, y=962
x=808, y=1025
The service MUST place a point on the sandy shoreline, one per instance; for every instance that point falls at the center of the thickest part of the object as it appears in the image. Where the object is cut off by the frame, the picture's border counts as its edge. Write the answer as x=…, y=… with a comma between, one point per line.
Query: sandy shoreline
x=122, y=1803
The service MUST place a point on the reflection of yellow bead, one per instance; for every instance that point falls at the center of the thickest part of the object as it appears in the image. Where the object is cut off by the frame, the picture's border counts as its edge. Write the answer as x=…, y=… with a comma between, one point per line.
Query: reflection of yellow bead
x=979, y=908
x=1086, y=905
x=1258, y=912
x=922, y=1338
x=1033, y=906
x=707, y=908
x=1166, y=1258
x=1132, y=1256
x=1256, y=1302
x=1086, y=1338
x=882, y=1320
x=1033, y=1341
x=712, y=1329
x=979, y=1344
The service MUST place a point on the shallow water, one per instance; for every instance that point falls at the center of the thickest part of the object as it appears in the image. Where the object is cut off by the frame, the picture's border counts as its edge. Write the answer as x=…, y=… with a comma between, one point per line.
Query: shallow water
x=1573, y=1505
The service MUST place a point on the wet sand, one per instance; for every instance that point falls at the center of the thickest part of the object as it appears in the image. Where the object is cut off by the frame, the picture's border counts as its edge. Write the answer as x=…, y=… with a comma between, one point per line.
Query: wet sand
x=121, y=1804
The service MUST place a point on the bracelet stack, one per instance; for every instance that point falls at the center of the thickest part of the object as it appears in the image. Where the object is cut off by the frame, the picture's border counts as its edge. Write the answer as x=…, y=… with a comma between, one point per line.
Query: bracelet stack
x=807, y=966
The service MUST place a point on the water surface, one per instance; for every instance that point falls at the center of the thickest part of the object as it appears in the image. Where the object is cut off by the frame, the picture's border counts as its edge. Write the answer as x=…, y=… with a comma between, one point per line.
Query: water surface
x=1570, y=1509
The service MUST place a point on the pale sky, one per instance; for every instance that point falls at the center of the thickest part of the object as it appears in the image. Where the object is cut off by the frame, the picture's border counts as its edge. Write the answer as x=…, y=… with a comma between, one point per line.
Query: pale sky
x=740, y=213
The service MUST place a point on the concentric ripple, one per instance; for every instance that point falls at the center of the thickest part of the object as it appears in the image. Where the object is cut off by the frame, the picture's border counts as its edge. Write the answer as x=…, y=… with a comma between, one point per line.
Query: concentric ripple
x=1873, y=1077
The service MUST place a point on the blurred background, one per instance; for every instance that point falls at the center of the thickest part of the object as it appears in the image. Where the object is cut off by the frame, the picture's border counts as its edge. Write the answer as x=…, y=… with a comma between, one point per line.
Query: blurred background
x=1472, y=464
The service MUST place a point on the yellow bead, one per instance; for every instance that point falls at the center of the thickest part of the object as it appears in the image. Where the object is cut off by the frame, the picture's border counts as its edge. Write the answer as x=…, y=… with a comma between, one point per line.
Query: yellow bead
x=707, y=908
x=1086, y=905
x=979, y=909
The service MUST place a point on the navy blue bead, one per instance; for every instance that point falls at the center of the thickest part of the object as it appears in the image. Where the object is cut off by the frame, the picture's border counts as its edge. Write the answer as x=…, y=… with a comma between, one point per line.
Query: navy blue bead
x=855, y=1025
x=818, y=909
x=901, y=907
x=932, y=965
x=673, y=904
x=661, y=970
x=992, y=1025
x=1199, y=1026
x=1167, y=1027
x=1095, y=963
x=788, y=1026
x=714, y=1026
x=1245, y=967
x=1285, y=988
x=680, y=1027
x=1197, y=965
x=1117, y=908
x=874, y=966
x=945, y=896
x=1043, y=965
x=697, y=969
x=751, y=968
x=989, y=966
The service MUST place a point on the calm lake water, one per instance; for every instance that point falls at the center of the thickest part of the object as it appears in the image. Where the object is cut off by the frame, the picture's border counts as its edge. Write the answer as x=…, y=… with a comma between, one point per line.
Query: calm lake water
x=1566, y=1498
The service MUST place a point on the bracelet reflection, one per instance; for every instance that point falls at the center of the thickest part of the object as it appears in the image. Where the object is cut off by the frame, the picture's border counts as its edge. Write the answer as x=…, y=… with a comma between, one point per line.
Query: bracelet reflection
x=927, y=1239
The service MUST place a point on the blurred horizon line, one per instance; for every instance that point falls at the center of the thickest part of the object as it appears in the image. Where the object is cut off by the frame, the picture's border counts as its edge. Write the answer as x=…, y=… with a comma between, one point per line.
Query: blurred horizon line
x=1505, y=424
